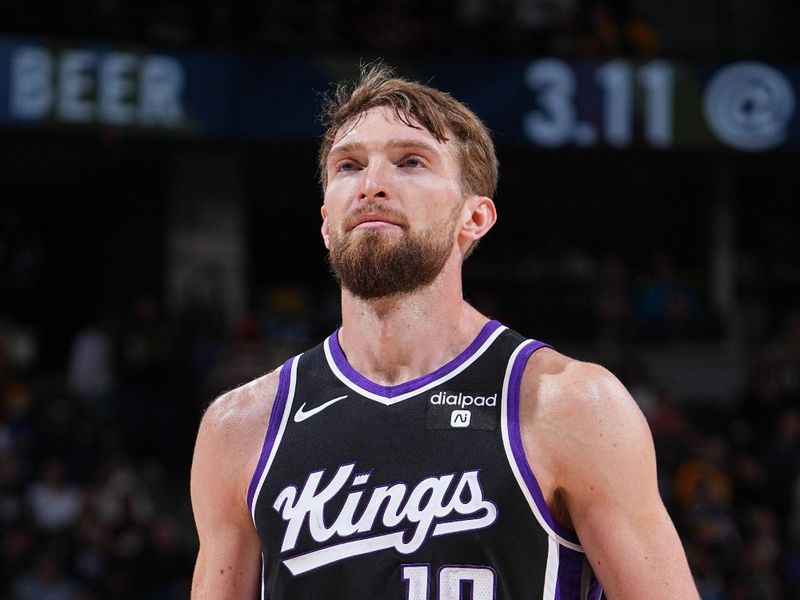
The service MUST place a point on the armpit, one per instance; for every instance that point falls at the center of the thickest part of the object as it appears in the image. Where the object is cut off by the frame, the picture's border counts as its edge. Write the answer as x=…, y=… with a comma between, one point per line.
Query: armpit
x=558, y=508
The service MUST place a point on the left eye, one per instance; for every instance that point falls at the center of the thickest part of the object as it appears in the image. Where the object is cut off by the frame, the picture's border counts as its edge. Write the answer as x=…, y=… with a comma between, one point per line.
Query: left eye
x=412, y=162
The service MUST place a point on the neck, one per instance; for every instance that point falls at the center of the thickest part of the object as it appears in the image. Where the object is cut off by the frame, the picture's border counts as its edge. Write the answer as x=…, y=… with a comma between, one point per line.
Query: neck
x=401, y=337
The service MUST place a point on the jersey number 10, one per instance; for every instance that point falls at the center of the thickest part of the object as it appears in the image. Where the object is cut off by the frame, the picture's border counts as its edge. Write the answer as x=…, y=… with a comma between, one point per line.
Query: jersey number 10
x=452, y=579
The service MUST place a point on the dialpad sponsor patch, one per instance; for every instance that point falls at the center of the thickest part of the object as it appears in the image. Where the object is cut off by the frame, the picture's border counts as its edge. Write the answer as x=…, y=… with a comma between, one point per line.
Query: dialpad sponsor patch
x=459, y=410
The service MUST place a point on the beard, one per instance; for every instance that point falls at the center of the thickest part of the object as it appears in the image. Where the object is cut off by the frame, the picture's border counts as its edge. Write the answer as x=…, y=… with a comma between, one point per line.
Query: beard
x=373, y=263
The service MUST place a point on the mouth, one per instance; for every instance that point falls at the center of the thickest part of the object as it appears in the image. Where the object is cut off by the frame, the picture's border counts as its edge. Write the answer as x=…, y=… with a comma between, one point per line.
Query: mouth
x=376, y=225
x=374, y=221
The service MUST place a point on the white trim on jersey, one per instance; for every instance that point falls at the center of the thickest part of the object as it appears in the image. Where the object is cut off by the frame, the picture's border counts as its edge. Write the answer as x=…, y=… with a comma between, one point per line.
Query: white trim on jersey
x=389, y=401
x=287, y=410
x=551, y=573
x=263, y=570
x=513, y=463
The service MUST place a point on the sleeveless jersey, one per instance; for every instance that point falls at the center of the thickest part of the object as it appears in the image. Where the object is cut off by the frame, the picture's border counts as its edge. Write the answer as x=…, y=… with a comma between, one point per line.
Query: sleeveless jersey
x=418, y=491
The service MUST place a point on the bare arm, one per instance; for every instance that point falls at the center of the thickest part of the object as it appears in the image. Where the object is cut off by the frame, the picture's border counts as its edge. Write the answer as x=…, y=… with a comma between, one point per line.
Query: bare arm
x=228, y=444
x=603, y=474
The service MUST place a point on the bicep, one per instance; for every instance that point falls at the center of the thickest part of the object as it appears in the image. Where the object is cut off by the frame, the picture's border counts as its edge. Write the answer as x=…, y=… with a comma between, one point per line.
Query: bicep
x=229, y=560
x=612, y=496
x=634, y=549
x=228, y=566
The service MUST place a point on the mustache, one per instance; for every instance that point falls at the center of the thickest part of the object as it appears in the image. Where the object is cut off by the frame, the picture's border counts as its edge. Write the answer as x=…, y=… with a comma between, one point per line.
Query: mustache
x=377, y=210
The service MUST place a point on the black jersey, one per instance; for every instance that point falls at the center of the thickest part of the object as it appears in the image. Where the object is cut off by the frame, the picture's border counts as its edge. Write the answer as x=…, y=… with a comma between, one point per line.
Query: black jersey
x=419, y=491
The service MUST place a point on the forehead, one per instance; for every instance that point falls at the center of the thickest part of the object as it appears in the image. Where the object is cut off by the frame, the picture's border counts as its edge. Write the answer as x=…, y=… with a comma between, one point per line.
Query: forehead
x=378, y=126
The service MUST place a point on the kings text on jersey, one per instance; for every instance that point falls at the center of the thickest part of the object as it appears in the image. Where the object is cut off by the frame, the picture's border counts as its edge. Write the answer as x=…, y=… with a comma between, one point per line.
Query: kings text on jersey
x=402, y=516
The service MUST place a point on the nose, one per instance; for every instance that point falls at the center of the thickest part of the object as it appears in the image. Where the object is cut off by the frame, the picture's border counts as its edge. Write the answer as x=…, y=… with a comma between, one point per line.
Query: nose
x=375, y=184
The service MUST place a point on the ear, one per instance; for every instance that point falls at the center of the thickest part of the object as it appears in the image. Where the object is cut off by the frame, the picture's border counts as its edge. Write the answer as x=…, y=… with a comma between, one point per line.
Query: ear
x=480, y=216
x=324, y=228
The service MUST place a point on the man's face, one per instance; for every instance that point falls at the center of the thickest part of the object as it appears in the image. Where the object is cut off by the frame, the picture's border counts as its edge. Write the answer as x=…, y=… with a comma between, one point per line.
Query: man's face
x=392, y=205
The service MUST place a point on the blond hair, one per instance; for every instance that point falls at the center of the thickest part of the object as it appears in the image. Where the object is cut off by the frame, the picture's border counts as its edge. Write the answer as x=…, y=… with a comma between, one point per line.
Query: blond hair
x=415, y=105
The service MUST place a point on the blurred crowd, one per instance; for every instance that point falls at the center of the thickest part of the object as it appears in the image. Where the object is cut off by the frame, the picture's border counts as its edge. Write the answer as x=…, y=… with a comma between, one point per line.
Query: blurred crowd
x=95, y=453
x=549, y=26
x=100, y=401
x=731, y=479
x=93, y=460
x=563, y=27
x=96, y=433
x=612, y=299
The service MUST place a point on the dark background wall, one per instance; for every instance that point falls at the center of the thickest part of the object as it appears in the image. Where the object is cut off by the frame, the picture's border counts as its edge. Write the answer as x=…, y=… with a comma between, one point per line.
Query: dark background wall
x=144, y=272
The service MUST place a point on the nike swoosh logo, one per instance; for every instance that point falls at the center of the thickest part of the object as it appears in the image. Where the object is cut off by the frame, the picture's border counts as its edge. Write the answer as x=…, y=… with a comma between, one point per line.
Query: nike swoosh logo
x=302, y=415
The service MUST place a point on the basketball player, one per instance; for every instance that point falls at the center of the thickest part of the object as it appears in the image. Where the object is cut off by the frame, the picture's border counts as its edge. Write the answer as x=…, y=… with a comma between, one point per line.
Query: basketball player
x=424, y=451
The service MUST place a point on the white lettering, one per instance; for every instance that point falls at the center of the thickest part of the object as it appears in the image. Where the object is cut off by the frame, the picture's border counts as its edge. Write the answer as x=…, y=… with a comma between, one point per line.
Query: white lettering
x=310, y=504
x=469, y=482
x=31, y=94
x=117, y=86
x=392, y=515
x=423, y=516
x=162, y=81
x=76, y=86
x=427, y=504
x=82, y=86
x=344, y=524
x=463, y=400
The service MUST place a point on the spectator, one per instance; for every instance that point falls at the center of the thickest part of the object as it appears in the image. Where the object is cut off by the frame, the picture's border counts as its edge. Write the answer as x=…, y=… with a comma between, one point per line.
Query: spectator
x=612, y=303
x=54, y=503
x=91, y=365
x=92, y=552
x=668, y=308
x=166, y=561
x=11, y=497
x=121, y=497
x=45, y=582
x=17, y=550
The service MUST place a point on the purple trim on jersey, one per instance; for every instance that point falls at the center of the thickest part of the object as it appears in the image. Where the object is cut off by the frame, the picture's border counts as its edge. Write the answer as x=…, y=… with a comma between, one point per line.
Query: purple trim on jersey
x=276, y=414
x=515, y=438
x=390, y=391
x=570, y=572
x=595, y=589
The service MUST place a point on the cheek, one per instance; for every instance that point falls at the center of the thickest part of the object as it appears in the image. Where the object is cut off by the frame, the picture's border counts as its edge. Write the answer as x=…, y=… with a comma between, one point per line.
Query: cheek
x=331, y=199
x=342, y=184
x=336, y=199
x=444, y=200
x=332, y=224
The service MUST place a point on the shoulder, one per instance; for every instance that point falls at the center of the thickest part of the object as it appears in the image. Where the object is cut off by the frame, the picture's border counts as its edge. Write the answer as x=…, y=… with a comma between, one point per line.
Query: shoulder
x=232, y=430
x=226, y=453
x=580, y=413
x=556, y=382
x=237, y=408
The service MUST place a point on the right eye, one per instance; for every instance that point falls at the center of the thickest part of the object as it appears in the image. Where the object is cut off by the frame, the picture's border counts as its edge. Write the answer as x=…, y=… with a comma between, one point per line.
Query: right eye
x=346, y=166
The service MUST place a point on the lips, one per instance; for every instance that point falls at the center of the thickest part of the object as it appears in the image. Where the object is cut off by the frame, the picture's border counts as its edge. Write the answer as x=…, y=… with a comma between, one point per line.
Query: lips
x=375, y=220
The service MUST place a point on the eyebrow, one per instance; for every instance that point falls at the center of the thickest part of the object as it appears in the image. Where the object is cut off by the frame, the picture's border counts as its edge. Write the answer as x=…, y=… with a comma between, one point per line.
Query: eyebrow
x=394, y=143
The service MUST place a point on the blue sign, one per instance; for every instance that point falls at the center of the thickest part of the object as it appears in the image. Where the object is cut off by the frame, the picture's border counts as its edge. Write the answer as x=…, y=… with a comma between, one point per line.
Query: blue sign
x=548, y=102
